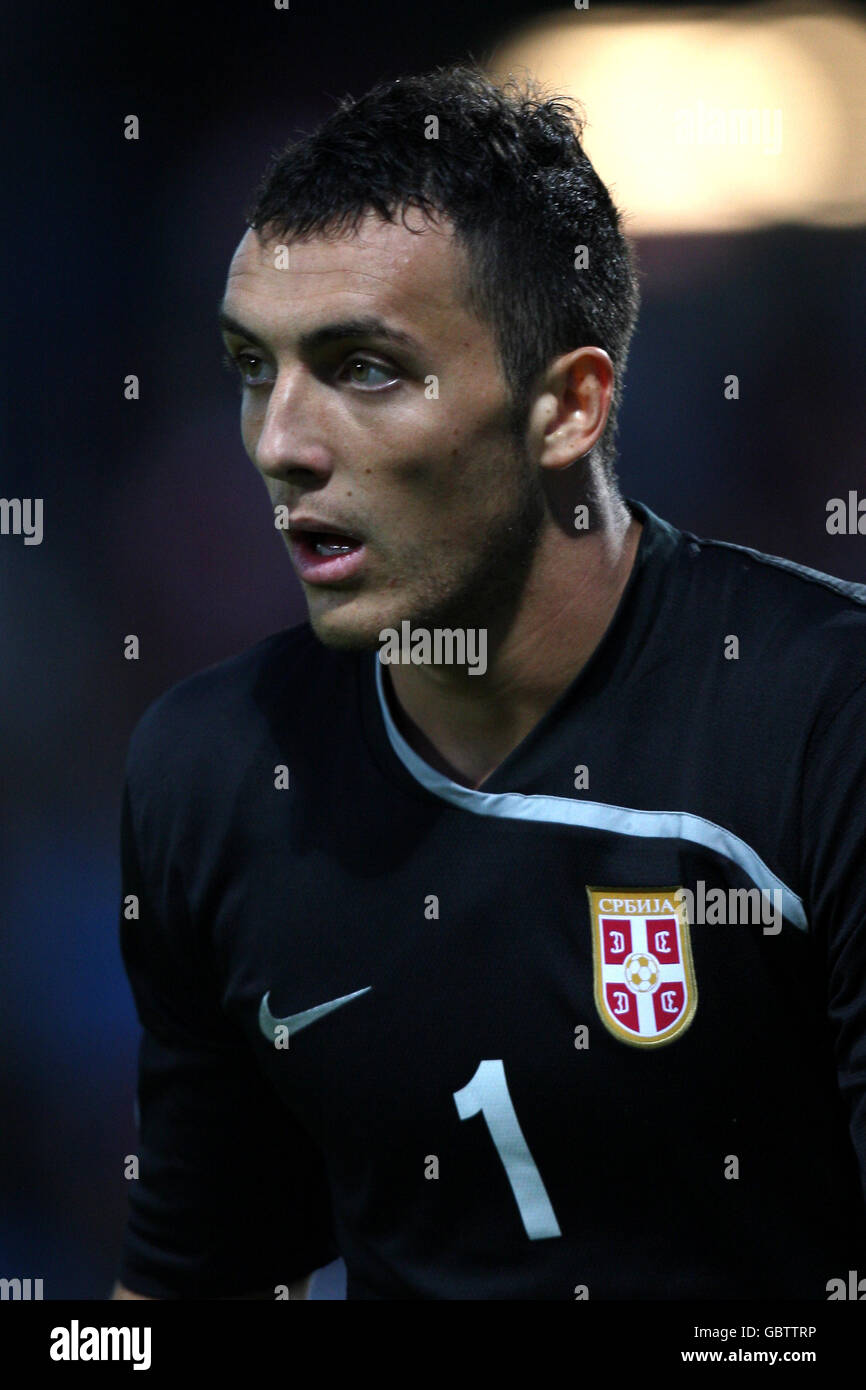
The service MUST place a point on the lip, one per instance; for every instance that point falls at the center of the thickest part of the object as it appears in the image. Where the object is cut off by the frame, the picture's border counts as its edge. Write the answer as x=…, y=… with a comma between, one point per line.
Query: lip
x=313, y=568
x=315, y=523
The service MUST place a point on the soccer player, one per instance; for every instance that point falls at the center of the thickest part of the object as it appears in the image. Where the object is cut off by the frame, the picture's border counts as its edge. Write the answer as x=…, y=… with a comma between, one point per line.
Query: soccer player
x=502, y=928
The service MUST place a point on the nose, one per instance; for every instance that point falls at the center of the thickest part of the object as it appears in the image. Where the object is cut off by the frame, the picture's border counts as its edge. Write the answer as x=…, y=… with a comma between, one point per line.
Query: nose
x=293, y=436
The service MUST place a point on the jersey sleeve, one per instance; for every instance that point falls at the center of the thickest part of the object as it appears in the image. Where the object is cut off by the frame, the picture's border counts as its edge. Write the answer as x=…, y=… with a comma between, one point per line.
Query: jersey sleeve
x=231, y=1197
x=834, y=853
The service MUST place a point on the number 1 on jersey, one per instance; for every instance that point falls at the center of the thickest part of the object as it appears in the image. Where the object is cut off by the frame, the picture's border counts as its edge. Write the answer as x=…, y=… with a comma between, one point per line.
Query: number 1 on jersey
x=487, y=1092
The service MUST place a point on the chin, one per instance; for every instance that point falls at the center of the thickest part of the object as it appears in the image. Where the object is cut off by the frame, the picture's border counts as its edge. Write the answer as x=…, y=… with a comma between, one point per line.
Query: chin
x=339, y=628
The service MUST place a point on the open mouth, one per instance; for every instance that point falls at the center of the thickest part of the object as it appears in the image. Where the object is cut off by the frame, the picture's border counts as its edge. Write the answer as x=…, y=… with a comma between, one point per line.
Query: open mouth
x=329, y=542
x=323, y=556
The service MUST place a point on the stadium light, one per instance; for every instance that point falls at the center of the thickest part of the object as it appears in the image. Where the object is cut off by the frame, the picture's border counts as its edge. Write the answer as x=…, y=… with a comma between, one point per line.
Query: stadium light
x=713, y=123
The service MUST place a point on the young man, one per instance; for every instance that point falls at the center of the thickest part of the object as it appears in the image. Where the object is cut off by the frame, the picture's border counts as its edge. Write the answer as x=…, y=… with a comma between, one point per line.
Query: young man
x=503, y=928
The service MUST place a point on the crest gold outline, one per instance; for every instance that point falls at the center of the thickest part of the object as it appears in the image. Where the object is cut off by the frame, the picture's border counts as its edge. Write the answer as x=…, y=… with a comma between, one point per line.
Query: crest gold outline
x=616, y=1030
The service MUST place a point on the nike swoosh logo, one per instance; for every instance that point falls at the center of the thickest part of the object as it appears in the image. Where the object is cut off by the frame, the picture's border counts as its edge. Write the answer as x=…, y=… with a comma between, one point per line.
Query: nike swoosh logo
x=295, y=1022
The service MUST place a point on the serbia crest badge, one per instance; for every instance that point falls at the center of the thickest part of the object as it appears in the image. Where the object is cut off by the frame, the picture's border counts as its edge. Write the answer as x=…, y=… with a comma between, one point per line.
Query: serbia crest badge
x=644, y=978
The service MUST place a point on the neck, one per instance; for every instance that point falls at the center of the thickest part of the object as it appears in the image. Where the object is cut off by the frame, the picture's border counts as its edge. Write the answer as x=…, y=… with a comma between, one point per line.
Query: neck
x=466, y=725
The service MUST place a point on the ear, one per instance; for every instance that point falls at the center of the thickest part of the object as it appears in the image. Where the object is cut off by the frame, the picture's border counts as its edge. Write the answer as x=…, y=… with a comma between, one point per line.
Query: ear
x=572, y=406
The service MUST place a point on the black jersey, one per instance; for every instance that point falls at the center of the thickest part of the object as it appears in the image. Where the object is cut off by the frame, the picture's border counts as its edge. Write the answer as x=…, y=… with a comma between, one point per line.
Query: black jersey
x=596, y=1029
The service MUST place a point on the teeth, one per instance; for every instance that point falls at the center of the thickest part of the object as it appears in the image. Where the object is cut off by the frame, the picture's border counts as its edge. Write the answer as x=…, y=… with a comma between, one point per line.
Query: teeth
x=322, y=549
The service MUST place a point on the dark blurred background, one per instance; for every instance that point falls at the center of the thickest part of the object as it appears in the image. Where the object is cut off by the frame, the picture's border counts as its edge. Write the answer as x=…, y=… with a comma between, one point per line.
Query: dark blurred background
x=155, y=522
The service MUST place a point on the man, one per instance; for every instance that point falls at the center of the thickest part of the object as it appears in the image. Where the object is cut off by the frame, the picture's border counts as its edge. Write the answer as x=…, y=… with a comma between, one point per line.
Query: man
x=501, y=928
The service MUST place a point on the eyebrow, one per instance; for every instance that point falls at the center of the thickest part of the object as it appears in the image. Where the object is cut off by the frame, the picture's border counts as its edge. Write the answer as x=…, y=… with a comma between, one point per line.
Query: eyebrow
x=365, y=326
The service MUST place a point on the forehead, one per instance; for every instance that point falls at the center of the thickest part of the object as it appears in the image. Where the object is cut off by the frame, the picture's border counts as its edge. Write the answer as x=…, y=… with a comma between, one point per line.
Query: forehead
x=416, y=279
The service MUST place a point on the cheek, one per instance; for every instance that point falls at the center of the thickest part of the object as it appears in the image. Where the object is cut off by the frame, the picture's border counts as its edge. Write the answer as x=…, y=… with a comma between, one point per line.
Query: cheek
x=251, y=428
x=441, y=463
x=465, y=470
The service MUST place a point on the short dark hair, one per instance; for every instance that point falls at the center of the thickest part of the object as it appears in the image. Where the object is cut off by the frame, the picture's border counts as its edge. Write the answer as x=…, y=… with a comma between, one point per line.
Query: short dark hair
x=508, y=170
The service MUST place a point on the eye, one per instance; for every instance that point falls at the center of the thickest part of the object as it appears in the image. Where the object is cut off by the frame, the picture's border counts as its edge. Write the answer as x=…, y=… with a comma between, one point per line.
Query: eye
x=249, y=366
x=356, y=370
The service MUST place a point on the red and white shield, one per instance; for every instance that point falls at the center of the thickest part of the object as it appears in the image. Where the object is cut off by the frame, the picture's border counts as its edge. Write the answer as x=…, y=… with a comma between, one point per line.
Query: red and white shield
x=645, y=988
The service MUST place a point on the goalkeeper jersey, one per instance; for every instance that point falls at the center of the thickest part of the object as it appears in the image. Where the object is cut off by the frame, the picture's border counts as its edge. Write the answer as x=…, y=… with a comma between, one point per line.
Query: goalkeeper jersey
x=596, y=1029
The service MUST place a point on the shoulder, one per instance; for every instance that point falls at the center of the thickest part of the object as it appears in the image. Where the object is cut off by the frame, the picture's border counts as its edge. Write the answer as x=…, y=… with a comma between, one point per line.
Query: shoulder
x=794, y=624
x=217, y=716
x=774, y=575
